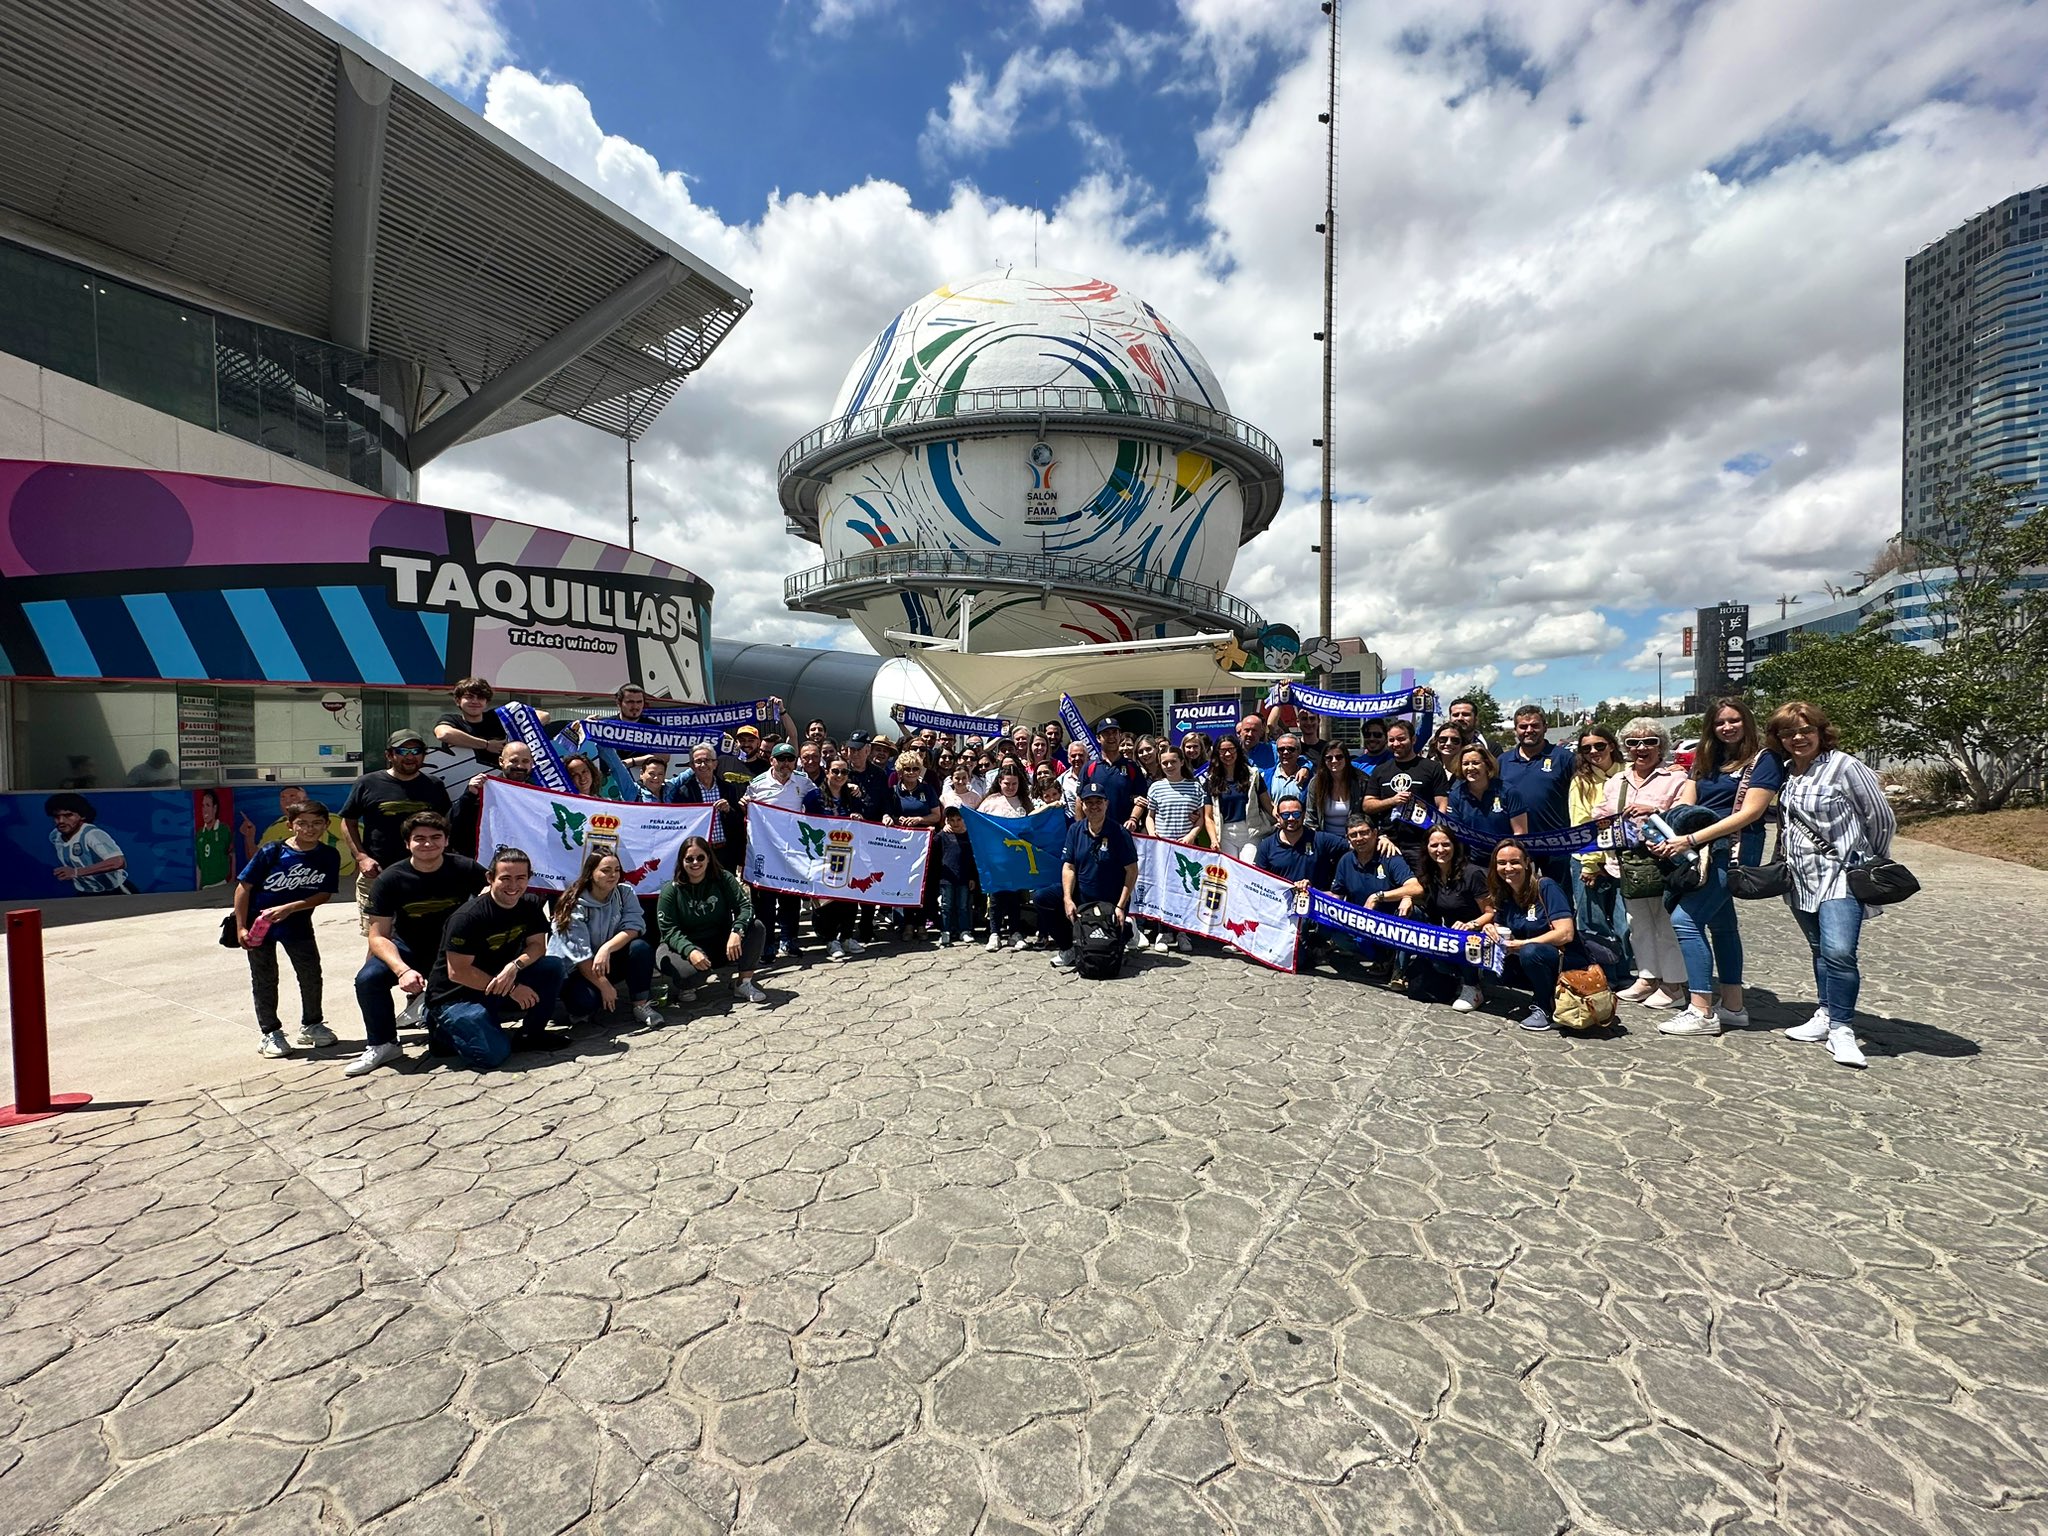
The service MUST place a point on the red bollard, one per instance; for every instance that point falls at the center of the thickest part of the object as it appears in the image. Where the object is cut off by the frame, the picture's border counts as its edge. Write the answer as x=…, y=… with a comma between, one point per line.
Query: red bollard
x=31, y=1025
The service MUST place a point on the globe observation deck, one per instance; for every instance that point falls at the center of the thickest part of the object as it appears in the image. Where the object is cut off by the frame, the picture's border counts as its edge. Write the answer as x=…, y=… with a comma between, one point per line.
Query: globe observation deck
x=1043, y=444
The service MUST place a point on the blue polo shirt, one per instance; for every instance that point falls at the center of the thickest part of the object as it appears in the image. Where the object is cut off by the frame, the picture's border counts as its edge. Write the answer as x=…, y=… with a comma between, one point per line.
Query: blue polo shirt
x=1353, y=881
x=1491, y=812
x=1542, y=787
x=1537, y=919
x=1313, y=859
x=1118, y=782
x=1099, y=862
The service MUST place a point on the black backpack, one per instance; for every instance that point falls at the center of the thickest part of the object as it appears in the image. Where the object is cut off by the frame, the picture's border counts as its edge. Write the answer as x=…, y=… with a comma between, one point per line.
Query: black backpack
x=1098, y=941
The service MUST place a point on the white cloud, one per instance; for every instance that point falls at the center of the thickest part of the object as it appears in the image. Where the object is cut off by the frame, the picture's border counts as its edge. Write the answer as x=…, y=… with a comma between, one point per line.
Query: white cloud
x=981, y=116
x=1556, y=321
x=1054, y=13
x=455, y=43
x=1669, y=638
x=838, y=15
x=1531, y=668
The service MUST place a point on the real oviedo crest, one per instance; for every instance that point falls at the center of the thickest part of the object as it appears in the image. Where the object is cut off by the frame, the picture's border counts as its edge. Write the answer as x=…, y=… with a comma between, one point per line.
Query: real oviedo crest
x=601, y=834
x=838, y=856
x=1215, y=886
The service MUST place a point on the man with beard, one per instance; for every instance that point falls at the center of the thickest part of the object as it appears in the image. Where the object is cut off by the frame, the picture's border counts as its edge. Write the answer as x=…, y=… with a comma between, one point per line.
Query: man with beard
x=515, y=765
x=374, y=815
x=1404, y=781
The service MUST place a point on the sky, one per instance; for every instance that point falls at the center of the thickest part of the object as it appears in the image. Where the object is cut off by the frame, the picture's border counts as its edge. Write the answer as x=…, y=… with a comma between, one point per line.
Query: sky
x=1620, y=284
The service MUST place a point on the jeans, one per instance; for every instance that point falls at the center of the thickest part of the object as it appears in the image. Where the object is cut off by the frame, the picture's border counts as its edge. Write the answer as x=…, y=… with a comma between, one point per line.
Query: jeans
x=1536, y=967
x=373, y=995
x=1006, y=912
x=1601, y=912
x=1708, y=934
x=688, y=977
x=474, y=1023
x=633, y=966
x=300, y=944
x=832, y=920
x=956, y=908
x=1831, y=933
x=778, y=914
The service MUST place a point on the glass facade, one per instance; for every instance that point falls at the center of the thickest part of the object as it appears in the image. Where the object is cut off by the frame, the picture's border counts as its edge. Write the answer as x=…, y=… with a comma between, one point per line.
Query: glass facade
x=294, y=395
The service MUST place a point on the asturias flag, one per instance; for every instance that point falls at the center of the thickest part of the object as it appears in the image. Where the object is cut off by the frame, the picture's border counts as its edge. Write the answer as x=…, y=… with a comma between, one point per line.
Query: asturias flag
x=1017, y=853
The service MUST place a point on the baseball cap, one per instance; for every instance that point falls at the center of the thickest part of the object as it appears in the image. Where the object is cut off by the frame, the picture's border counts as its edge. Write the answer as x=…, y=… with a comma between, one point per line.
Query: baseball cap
x=1108, y=723
x=747, y=730
x=859, y=739
x=402, y=738
x=1090, y=790
x=783, y=749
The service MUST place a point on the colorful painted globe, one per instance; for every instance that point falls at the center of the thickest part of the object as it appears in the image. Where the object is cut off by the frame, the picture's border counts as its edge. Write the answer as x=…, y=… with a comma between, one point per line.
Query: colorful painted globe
x=1021, y=424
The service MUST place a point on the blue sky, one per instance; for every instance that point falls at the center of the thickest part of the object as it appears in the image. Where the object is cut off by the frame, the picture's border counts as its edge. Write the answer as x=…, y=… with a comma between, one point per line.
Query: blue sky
x=1618, y=330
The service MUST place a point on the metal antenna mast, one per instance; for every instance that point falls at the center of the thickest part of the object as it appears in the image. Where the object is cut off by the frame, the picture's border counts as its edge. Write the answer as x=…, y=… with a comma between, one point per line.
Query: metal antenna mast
x=1328, y=334
x=630, y=518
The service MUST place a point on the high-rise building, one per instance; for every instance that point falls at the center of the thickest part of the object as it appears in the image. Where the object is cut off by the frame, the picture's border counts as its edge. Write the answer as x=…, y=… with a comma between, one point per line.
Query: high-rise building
x=1977, y=357
x=1720, y=652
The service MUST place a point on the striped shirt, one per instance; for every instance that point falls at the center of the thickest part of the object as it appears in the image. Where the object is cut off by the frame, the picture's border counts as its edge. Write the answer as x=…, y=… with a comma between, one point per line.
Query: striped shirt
x=1176, y=806
x=1844, y=802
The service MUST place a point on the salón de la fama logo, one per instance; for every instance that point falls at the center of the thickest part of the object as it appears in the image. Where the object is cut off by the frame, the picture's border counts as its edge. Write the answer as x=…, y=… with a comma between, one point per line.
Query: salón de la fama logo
x=578, y=601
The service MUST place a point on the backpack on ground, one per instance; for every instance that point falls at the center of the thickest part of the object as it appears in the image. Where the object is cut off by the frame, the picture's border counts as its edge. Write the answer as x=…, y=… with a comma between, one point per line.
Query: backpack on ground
x=1584, y=999
x=1098, y=941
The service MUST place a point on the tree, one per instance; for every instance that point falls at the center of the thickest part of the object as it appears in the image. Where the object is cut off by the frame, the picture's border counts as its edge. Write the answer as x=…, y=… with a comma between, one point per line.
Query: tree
x=1977, y=696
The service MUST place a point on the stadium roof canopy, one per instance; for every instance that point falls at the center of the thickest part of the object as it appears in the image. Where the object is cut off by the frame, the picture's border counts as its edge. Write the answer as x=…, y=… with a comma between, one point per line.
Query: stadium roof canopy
x=256, y=155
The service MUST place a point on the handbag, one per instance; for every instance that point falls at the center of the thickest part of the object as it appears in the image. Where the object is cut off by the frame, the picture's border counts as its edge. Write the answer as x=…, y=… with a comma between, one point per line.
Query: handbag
x=1641, y=875
x=1754, y=882
x=1876, y=882
x=230, y=936
x=1584, y=999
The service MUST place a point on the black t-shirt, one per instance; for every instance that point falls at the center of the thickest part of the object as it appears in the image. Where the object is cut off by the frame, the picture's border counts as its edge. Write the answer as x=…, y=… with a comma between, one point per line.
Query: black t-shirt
x=1458, y=902
x=1421, y=777
x=379, y=804
x=418, y=903
x=490, y=935
x=490, y=728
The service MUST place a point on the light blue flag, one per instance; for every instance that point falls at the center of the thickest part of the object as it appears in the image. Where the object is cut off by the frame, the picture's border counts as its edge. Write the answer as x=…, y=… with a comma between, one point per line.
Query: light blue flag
x=1017, y=853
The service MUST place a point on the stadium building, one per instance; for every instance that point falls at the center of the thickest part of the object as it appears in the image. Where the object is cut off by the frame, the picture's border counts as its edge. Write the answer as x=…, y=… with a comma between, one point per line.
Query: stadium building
x=253, y=276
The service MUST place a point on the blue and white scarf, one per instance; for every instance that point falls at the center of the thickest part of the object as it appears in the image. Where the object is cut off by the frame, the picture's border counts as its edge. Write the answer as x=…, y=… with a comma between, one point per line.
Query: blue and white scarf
x=1075, y=724
x=705, y=716
x=1470, y=947
x=1587, y=837
x=978, y=726
x=1347, y=706
x=523, y=724
x=643, y=736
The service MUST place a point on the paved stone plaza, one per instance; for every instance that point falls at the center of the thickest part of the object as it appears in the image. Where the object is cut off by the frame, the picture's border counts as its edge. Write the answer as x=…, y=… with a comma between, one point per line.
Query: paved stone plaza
x=945, y=1242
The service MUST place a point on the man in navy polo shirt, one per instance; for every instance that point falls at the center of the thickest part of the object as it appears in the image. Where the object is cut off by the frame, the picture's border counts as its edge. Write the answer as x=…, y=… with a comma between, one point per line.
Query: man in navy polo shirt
x=1294, y=852
x=1539, y=776
x=1117, y=773
x=1100, y=864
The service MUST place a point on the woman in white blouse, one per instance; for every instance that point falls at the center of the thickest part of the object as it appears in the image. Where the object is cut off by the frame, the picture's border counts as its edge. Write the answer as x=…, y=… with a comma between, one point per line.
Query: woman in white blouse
x=1835, y=816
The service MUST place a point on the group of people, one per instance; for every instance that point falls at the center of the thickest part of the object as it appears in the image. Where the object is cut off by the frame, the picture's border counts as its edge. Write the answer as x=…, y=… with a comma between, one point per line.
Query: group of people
x=1435, y=835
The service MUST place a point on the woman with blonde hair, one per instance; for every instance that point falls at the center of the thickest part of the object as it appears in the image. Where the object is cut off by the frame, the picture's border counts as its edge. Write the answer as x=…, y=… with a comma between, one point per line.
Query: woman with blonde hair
x=1596, y=894
x=1649, y=784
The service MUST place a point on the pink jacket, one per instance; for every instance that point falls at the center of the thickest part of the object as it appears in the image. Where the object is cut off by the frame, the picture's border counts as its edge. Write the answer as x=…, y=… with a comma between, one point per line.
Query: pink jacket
x=1659, y=792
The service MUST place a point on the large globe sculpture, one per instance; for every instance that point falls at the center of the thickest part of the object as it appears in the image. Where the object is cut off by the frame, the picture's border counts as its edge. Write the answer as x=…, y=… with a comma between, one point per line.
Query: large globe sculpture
x=1042, y=449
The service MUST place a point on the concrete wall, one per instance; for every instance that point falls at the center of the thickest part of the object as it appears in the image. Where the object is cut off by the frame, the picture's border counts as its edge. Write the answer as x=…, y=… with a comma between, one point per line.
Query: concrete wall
x=46, y=415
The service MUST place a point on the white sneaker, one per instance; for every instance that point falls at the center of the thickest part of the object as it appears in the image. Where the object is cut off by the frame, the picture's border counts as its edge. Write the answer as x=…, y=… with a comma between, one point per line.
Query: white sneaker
x=747, y=992
x=1663, y=999
x=1535, y=1020
x=1812, y=1031
x=995, y=942
x=273, y=1045
x=945, y=941
x=415, y=1010
x=647, y=1016
x=853, y=946
x=1732, y=1018
x=1842, y=1046
x=1691, y=1022
x=315, y=1037
x=1184, y=944
x=1022, y=942
x=1468, y=999
x=1063, y=960
x=1138, y=942
x=373, y=1057
x=836, y=950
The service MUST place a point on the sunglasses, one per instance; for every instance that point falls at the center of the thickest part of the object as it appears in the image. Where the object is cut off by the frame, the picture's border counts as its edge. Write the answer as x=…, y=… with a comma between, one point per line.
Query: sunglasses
x=408, y=751
x=1588, y=748
x=1635, y=742
x=695, y=858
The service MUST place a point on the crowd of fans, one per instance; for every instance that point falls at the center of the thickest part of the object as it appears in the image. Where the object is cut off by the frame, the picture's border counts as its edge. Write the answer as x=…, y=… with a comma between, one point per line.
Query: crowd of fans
x=482, y=965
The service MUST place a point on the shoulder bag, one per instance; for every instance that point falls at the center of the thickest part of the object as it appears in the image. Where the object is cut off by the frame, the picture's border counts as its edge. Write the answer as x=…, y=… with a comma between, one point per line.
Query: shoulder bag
x=1584, y=999
x=1755, y=882
x=1641, y=875
x=1876, y=882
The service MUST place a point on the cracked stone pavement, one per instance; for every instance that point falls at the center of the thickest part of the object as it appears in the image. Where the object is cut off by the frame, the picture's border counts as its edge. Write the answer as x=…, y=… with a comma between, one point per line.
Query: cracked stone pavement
x=947, y=1243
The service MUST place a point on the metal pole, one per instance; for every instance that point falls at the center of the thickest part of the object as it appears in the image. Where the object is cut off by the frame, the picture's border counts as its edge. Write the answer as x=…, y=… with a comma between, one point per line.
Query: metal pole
x=630, y=519
x=1660, y=682
x=29, y=1024
x=1329, y=341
